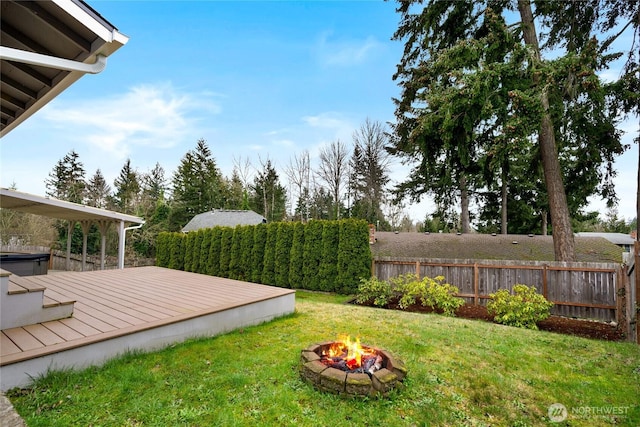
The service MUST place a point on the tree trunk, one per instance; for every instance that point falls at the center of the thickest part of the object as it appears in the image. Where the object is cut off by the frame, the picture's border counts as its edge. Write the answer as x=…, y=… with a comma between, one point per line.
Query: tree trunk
x=563, y=243
x=503, y=207
x=464, y=204
x=545, y=226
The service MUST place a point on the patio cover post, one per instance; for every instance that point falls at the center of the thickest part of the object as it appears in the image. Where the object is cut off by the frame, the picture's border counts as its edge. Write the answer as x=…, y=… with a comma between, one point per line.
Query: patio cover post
x=69, y=236
x=104, y=227
x=121, y=234
x=86, y=226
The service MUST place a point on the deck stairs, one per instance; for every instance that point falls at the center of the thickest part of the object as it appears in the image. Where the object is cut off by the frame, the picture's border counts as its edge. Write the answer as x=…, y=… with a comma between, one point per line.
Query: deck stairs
x=25, y=303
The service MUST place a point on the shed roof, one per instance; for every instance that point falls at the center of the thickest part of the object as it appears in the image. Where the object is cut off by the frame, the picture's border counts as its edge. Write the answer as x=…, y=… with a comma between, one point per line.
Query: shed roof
x=223, y=218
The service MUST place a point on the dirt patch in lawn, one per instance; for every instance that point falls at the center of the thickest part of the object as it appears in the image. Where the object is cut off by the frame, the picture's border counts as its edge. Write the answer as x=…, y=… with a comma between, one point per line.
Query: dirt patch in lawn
x=558, y=324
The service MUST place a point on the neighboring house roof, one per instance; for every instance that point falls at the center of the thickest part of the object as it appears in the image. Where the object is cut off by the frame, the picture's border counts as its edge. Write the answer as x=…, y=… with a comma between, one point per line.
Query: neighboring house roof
x=223, y=218
x=46, y=47
x=485, y=246
x=615, y=238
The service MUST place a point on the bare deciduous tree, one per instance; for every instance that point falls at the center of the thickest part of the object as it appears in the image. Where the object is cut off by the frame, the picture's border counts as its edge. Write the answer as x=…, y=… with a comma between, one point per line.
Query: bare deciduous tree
x=332, y=170
x=298, y=172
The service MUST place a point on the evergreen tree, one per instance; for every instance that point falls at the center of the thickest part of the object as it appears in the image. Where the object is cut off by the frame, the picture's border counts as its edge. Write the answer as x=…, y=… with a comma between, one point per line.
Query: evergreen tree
x=197, y=186
x=257, y=252
x=269, y=263
x=354, y=255
x=328, y=270
x=226, y=241
x=296, y=273
x=473, y=86
x=245, y=270
x=205, y=248
x=284, y=240
x=127, y=189
x=269, y=196
x=213, y=262
x=67, y=179
x=236, y=248
x=98, y=191
x=312, y=254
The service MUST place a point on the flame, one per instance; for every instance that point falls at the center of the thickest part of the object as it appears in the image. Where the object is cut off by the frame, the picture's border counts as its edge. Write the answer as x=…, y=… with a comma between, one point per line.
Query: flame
x=353, y=349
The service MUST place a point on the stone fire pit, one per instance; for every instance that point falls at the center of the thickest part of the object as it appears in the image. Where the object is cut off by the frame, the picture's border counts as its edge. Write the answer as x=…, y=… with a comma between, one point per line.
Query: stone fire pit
x=379, y=373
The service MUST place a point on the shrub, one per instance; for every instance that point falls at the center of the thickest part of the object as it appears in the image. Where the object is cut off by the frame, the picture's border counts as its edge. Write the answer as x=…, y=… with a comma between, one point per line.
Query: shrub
x=296, y=278
x=328, y=269
x=284, y=239
x=213, y=263
x=312, y=254
x=257, y=252
x=432, y=293
x=269, y=261
x=523, y=308
x=374, y=290
x=226, y=240
x=354, y=255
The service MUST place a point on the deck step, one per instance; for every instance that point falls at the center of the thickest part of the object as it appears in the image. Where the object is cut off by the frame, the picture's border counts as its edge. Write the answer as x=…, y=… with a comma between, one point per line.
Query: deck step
x=27, y=303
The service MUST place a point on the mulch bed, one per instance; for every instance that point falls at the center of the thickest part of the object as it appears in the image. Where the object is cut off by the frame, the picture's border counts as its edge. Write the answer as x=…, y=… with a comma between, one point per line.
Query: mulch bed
x=558, y=324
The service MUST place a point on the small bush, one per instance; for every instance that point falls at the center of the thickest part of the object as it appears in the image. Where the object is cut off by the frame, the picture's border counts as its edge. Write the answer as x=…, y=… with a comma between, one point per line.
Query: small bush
x=524, y=308
x=377, y=291
x=432, y=293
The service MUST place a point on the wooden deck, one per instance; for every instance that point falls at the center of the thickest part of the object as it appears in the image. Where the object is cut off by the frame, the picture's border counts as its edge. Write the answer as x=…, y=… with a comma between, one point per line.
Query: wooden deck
x=141, y=308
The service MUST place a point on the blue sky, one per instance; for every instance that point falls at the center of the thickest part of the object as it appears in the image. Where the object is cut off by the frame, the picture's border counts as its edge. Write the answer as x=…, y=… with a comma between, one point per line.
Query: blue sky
x=256, y=80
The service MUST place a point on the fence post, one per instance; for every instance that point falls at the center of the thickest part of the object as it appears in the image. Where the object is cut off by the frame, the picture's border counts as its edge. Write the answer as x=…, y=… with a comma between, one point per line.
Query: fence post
x=418, y=269
x=545, y=291
x=634, y=311
x=373, y=267
x=621, y=298
x=476, y=284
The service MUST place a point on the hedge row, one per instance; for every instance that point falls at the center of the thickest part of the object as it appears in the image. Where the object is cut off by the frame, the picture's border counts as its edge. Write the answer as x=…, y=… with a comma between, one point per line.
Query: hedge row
x=327, y=256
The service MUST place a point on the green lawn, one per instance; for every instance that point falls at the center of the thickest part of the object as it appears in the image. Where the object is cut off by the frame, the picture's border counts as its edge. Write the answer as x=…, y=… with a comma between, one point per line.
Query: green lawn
x=461, y=372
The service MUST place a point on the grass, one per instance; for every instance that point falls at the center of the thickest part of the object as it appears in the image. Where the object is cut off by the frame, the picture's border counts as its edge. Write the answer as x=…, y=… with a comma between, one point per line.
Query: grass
x=461, y=372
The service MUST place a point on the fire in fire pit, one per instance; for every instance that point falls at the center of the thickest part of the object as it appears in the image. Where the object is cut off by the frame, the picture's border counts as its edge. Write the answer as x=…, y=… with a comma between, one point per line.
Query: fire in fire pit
x=351, y=357
x=346, y=366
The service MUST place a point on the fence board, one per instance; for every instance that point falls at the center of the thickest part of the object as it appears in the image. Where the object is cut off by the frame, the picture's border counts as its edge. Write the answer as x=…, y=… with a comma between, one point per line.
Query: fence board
x=581, y=290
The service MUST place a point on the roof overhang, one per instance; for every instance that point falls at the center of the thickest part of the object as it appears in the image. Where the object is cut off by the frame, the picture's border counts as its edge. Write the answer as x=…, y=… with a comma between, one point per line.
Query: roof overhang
x=46, y=47
x=54, y=208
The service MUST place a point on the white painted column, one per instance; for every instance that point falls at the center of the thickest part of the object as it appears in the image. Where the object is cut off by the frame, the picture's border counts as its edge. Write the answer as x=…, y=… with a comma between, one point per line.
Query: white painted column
x=121, y=238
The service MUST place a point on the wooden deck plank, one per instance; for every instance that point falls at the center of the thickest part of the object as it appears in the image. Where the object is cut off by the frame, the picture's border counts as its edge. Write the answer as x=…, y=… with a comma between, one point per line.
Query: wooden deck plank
x=58, y=297
x=84, y=329
x=7, y=346
x=142, y=302
x=63, y=331
x=14, y=289
x=23, y=339
x=25, y=283
x=42, y=334
x=110, y=299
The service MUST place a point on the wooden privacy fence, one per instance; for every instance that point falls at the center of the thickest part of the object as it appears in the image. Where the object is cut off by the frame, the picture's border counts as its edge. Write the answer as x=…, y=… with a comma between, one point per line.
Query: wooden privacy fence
x=578, y=289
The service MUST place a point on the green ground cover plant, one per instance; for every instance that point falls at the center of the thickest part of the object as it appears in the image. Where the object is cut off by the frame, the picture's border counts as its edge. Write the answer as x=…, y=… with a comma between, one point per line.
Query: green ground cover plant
x=461, y=373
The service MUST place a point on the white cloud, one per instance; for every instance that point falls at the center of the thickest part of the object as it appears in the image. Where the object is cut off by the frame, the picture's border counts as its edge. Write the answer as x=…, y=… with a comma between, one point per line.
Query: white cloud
x=146, y=115
x=344, y=53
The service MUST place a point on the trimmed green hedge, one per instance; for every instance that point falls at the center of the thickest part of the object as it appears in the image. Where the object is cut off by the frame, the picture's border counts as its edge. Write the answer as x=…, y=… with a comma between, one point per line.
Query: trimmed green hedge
x=331, y=256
